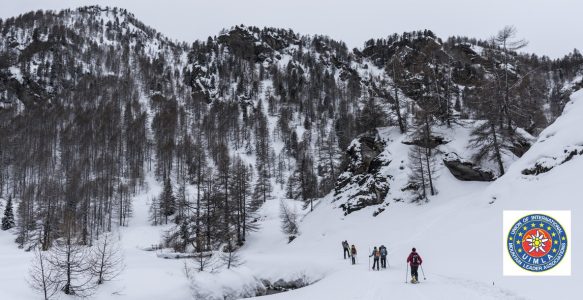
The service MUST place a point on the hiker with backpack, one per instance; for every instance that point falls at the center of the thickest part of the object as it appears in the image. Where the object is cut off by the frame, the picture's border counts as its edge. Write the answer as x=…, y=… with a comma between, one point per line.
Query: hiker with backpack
x=384, y=252
x=346, y=248
x=376, y=254
x=353, y=254
x=414, y=261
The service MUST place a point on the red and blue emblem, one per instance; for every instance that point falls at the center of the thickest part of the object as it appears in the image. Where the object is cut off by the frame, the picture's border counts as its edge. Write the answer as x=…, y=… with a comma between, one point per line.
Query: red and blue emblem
x=537, y=243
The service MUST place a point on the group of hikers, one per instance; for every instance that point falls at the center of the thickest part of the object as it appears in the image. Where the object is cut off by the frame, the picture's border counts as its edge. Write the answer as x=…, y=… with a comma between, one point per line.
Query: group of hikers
x=379, y=256
x=380, y=253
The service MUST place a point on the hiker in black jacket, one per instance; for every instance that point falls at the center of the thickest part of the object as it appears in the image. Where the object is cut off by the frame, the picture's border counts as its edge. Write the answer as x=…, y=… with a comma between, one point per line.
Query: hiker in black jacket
x=384, y=253
x=346, y=248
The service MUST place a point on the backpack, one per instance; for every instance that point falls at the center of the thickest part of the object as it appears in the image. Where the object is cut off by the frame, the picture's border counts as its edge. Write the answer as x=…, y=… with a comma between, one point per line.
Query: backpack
x=384, y=251
x=377, y=253
x=415, y=259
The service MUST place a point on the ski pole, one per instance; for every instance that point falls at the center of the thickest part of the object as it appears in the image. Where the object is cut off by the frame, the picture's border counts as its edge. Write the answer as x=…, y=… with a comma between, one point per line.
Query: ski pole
x=369, y=258
x=406, y=272
x=423, y=272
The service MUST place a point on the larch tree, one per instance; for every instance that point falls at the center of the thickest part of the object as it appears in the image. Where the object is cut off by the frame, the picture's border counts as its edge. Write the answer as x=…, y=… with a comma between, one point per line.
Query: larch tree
x=106, y=259
x=289, y=220
x=42, y=277
x=508, y=43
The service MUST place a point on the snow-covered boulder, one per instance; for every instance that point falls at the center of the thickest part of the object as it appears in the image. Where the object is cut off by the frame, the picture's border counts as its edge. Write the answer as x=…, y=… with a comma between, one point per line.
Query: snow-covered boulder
x=465, y=170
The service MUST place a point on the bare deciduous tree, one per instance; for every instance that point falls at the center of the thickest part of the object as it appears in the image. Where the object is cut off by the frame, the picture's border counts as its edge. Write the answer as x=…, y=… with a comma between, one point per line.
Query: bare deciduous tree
x=69, y=261
x=289, y=220
x=42, y=277
x=421, y=165
x=106, y=261
x=230, y=257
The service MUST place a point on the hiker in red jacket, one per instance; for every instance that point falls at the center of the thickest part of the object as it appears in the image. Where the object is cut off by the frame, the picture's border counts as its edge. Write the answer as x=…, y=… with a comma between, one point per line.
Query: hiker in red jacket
x=414, y=261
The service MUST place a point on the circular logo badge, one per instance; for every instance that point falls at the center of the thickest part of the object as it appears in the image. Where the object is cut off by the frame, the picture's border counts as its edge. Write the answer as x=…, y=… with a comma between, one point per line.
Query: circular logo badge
x=537, y=243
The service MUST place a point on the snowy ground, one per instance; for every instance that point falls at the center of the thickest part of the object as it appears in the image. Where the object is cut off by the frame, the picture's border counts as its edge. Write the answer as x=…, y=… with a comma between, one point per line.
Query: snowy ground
x=458, y=234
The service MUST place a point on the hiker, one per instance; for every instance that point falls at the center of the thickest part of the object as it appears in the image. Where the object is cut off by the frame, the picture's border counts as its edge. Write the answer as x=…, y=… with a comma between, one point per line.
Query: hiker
x=353, y=254
x=346, y=248
x=384, y=253
x=414, y=261
x=376, y=254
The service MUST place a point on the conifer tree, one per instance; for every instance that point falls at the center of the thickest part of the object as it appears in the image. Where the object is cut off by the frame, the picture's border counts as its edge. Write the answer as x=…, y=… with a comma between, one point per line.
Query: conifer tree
x=167, y=200
x=8, y=219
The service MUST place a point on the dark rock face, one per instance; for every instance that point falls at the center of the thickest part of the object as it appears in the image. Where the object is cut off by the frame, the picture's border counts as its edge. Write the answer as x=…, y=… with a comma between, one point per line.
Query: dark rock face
x=520, y=147
x=465, y=170
x=252, y=44
x=28, y=92
x=363, y=183
x=433, y=142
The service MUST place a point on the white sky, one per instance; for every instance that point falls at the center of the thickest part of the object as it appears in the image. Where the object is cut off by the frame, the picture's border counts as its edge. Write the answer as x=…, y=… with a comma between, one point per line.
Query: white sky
x=553, y=27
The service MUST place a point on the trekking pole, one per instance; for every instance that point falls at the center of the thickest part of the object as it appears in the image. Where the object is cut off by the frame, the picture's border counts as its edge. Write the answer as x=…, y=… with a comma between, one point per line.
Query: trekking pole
x=423, y=272
x=406, y=272
x=369, y=258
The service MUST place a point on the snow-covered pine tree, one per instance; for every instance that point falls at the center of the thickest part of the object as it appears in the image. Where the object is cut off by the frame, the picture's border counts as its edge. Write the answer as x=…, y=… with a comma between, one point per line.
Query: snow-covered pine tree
x=167, y=200
x=8, y=218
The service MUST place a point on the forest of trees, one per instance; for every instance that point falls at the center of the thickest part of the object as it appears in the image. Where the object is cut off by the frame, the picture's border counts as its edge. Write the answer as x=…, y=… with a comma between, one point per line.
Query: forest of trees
x=220, y=123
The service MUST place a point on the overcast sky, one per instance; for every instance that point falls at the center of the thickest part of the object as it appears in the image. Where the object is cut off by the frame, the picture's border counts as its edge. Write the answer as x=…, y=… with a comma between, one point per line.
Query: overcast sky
x=553, y=27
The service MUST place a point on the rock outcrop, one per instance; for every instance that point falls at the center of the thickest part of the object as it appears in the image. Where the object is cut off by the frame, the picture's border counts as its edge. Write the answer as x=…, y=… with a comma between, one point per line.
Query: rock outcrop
x=466, y=170
x=364, y=182
x=546, y=164
x=434, y=141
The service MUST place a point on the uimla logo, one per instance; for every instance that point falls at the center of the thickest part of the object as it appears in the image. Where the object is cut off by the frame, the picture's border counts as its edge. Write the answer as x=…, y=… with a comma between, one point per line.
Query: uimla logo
x=537, y=243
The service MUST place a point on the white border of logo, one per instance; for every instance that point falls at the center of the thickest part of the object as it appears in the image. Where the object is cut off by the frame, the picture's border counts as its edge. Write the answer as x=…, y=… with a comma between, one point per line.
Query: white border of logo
x=510, y=268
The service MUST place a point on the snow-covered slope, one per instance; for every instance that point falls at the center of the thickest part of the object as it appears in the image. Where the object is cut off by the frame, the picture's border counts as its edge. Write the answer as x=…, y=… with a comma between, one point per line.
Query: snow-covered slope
x=458, y=234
